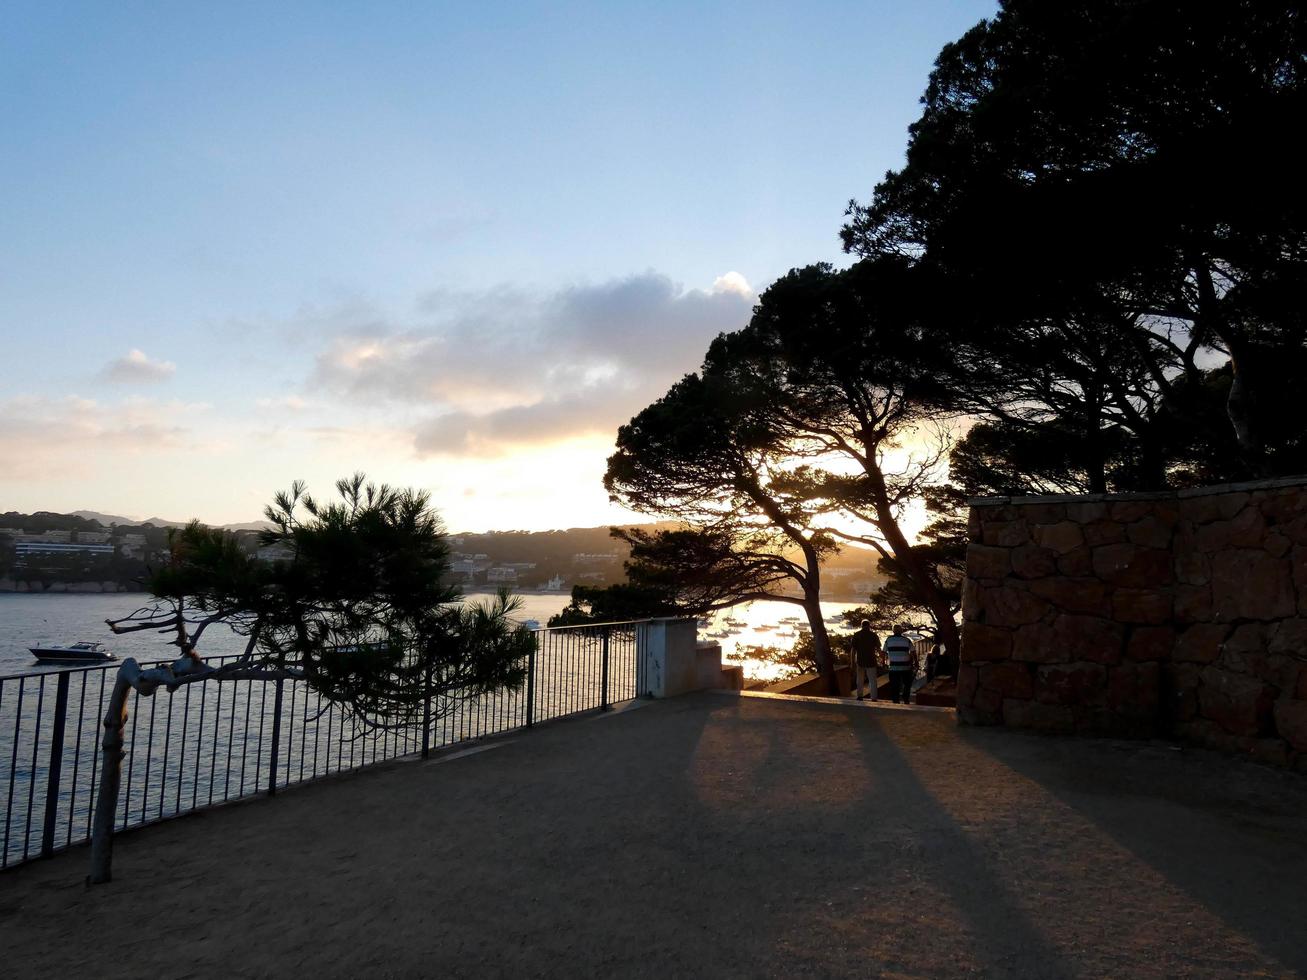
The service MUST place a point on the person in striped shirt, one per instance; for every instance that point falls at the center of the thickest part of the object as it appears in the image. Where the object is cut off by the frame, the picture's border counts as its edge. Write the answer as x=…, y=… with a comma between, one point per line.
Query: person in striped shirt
x=898, y=651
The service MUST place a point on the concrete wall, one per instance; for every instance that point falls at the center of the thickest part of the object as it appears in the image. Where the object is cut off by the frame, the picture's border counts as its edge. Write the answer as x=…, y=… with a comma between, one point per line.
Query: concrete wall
x=1182, y=614
x=676, y=663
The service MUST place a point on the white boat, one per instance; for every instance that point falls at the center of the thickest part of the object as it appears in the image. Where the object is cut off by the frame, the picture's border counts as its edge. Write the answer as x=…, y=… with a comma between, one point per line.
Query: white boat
x=734, y=622
x=83, y=652
x=531, y=624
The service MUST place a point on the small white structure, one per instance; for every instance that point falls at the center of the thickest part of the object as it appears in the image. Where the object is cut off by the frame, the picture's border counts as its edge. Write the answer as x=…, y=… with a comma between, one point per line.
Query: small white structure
x=675, y=662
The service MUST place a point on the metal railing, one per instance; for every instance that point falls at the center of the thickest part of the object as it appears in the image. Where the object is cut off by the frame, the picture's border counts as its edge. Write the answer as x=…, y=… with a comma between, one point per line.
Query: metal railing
x=216, y=741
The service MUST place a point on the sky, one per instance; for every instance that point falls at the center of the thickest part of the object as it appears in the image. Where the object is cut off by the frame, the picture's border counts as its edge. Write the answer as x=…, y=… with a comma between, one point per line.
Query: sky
x=453, y=245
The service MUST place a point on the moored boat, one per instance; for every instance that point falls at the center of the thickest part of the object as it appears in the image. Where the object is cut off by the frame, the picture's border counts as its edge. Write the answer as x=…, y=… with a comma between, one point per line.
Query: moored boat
x=82, y=652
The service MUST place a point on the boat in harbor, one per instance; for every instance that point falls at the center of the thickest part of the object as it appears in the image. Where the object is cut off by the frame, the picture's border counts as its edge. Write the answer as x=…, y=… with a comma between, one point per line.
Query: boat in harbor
x=82, y=652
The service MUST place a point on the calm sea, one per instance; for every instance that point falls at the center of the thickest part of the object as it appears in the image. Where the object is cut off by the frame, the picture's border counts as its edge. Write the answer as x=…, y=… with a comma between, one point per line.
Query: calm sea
x=26, y=620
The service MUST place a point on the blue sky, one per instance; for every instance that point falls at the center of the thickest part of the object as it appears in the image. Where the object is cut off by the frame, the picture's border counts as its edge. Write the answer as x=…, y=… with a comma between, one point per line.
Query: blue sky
x=454, y=245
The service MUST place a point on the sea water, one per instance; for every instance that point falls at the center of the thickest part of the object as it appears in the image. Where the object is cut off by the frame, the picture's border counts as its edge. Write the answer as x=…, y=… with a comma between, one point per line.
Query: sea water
x=30, y=619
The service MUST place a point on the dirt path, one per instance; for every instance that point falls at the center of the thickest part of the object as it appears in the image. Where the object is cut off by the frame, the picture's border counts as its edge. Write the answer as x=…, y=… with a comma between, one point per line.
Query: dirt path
x=710, y=836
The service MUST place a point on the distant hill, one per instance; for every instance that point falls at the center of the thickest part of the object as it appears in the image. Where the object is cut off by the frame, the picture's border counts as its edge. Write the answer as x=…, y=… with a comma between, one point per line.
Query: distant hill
x=109, y=520
x=106, y=519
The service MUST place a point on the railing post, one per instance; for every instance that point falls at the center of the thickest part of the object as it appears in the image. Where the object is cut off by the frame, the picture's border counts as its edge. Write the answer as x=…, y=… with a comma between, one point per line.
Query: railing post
x=604, y=673
x=55, y=765
x=531, y=682
x=276, y=740
x=426, y=712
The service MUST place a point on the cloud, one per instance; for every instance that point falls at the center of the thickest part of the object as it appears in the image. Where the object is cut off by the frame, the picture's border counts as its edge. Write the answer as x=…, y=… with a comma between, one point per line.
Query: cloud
x=732, y=282
x=291, y=403
x=40, y=436
x=138, y=368
x=479, y=373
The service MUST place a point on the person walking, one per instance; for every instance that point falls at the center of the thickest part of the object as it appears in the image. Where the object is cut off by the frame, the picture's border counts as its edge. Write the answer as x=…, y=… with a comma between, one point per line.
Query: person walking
x=932, y=662
x=898, y=650
x=866, y=644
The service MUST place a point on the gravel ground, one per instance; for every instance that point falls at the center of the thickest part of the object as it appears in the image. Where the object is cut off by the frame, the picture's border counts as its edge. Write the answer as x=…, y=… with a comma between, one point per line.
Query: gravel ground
x=710, y=836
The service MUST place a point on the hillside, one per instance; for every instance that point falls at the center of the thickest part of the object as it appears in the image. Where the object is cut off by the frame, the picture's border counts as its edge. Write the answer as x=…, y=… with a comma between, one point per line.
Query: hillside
x=555, y=559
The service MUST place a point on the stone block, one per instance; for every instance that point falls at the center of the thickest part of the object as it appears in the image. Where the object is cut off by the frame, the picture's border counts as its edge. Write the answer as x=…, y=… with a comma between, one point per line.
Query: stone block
x=1193, y=603
x=1249, y=584
x=1130, y=566
x=1212, y=735
x=1134, y=689
x=1150, y=643
x=1077, y=563
x=1281, y=507
x=1009, y=606
x=1295, y=530
x=1193, y=569
x=1129, y=511
x=1289, y=636
x=1246, y=639
x=975, y=526
x=1230, y=504
x=1077, y=683
x=1089, y=638
x=971, y=608
x=1200, y=643
x=981, y=642
x=1200, y=510
x=1290, y=716
x=1150, y=532
x=1103, y=532
x=1079, y=595
x=968, y=681
x=1009, y=679
x=1146, y=606
x=1298, y=563
x=987, y=702
x=1043, y=513
x=1085, y=513
x=1037, y=716
x=1031, y=561
x=1239, y=704
x=1061, y=537
x=1276, y=545
x=984, y=561
x=1181, y=681
x=1246, y=530
x=1005, y=534
x=1038, y=644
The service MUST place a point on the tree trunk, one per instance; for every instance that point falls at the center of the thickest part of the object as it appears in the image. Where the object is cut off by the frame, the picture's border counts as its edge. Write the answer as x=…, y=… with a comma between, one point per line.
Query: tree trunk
x=1240, y=406
x=821, y=642
x=930, y=596
x=106, y=802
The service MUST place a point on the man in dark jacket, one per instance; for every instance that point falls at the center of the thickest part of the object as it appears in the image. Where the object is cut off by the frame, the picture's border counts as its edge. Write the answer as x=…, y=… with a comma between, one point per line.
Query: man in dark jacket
x=866, y=645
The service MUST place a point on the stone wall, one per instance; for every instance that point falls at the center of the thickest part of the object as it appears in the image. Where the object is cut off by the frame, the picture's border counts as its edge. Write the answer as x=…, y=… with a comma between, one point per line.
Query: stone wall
x=1181, y=614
